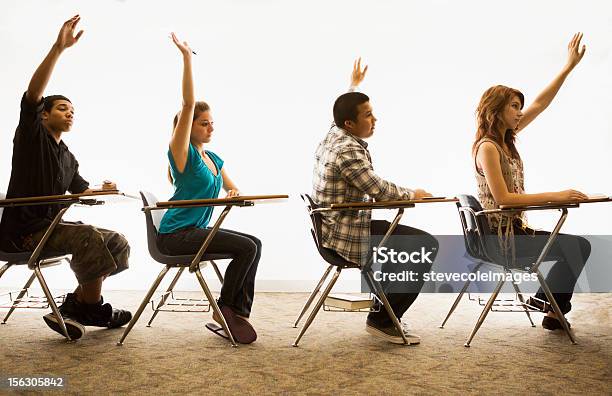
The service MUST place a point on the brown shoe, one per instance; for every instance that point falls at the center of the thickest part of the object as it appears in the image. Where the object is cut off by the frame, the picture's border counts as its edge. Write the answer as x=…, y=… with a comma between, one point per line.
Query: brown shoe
x=241, y=329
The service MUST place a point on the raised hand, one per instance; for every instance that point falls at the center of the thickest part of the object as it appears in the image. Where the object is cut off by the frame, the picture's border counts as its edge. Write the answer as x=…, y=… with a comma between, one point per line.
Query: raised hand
x=574, y=51
x=183, y=47
x=66, y=37
x=358, y=75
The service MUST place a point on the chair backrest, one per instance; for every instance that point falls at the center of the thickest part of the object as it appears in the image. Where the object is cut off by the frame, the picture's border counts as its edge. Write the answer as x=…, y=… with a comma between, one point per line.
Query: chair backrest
x=2, y=196
x=476, y=229
x=328, y=255
x=153, y=218
x=315, y=219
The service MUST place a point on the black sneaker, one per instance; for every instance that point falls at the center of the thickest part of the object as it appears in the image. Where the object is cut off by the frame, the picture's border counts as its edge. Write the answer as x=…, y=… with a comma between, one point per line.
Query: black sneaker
x=103, y=315
x=391, y=334
x=74, y=328
x=550, y=323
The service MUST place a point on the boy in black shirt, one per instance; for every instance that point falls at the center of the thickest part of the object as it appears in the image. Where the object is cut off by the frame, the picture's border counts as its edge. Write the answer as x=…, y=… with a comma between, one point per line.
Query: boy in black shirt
x=43, y=165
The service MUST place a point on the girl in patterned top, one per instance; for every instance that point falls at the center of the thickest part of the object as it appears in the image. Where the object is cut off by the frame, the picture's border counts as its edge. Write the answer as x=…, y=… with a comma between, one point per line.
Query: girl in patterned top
x=499, y=173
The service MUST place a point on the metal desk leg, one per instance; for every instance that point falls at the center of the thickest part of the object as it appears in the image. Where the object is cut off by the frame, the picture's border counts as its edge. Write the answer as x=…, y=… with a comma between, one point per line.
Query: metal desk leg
x=33, y=264
x=219, y=275
x=522, y=300
x=162, y=301
x=485, y=311
x=41, y=244
x=377, y=287
x=549, y=242
x=318, y=305
x=54, y=308
x=23, y=291
x=461, y=293
x=195, y=264
x=143, y=304
x=547, y=292
x=556, y=309
x=4, y=268
x=215, y=306
x=313, y=294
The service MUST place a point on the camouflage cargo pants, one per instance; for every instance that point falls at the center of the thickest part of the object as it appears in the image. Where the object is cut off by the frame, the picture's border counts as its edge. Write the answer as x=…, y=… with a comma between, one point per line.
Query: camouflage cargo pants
x=95, y=251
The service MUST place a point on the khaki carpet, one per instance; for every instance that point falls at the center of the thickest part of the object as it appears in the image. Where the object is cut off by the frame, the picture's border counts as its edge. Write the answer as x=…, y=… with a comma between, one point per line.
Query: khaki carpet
x=178, y=355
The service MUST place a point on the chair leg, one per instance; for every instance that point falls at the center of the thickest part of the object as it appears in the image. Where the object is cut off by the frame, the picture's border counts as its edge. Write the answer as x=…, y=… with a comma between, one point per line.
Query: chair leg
x=219, y=275
x=485, y=311
x=51, y=301
x=312, y=295
x=380, y=293
x=23, y=291
x=459, y=297
x=317, y=306
x=555, y=307
x=215, y=306
x=4, y=268
x=522, y=300
x=143, y=304
x=165, y=296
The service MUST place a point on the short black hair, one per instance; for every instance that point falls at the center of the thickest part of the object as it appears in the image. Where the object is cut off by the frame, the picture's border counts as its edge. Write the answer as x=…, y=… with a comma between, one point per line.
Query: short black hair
x=48, y=101
x=345, y=107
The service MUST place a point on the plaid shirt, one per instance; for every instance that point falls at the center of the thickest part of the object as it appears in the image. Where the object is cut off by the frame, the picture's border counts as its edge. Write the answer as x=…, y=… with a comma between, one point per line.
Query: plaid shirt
x=343, y=172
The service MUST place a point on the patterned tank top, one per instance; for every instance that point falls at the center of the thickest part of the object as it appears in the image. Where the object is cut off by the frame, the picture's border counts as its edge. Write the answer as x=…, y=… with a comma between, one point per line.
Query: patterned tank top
x=512, y=171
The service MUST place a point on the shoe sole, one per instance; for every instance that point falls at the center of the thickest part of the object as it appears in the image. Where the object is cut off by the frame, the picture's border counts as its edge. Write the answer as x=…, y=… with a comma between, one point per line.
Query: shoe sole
x=393, y=339
x=74, y=328
x=242, y=330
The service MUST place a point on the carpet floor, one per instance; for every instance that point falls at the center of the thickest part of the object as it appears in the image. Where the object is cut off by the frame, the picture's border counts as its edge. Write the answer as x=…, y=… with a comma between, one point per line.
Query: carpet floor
x=336, y=355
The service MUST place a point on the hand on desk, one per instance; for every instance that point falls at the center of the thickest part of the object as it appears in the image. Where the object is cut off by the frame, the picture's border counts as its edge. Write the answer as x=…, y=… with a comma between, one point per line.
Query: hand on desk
x=570, y=195
x=420, y=194
x=109, y=185
x=232, y=193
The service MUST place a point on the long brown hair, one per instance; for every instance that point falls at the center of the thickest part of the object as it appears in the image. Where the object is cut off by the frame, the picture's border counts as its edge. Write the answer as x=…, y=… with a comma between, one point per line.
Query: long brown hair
x=200, y=107
x=489, y=117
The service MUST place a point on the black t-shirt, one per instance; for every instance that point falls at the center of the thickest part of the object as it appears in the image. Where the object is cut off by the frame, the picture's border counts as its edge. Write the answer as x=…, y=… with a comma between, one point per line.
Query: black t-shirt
x=40, y=166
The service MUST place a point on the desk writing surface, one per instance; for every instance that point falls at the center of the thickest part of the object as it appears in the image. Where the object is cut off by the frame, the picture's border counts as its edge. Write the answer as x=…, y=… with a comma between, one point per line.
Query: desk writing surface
x=57, y=198
x=220, y=201
x=554, y=204
x=384, y=204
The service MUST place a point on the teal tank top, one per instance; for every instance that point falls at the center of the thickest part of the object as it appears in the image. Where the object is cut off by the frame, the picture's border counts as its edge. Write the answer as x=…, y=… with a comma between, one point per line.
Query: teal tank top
x=195, y=182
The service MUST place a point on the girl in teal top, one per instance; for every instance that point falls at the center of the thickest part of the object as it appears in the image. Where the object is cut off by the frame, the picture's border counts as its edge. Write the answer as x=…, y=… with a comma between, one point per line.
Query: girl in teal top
x=197, y=173
x=196, y=180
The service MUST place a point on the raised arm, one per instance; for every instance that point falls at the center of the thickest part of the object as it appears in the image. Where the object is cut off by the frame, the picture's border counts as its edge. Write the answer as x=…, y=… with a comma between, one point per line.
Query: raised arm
x=357, y=75
x=66, y=38
x=488, y=159
x=574, y=56
x=179, y=143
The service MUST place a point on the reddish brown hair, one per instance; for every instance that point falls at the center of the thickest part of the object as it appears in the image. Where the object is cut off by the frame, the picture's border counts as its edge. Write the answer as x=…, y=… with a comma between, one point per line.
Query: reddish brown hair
x=489, y=117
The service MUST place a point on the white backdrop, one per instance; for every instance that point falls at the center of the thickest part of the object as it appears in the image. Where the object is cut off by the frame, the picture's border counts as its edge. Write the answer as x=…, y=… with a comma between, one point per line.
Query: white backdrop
x=271, y=71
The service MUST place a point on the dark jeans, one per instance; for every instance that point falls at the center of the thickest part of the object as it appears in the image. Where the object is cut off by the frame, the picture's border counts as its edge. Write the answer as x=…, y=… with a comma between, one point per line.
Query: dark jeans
x=570, y=253
x=400, y=302
x=239, y=281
